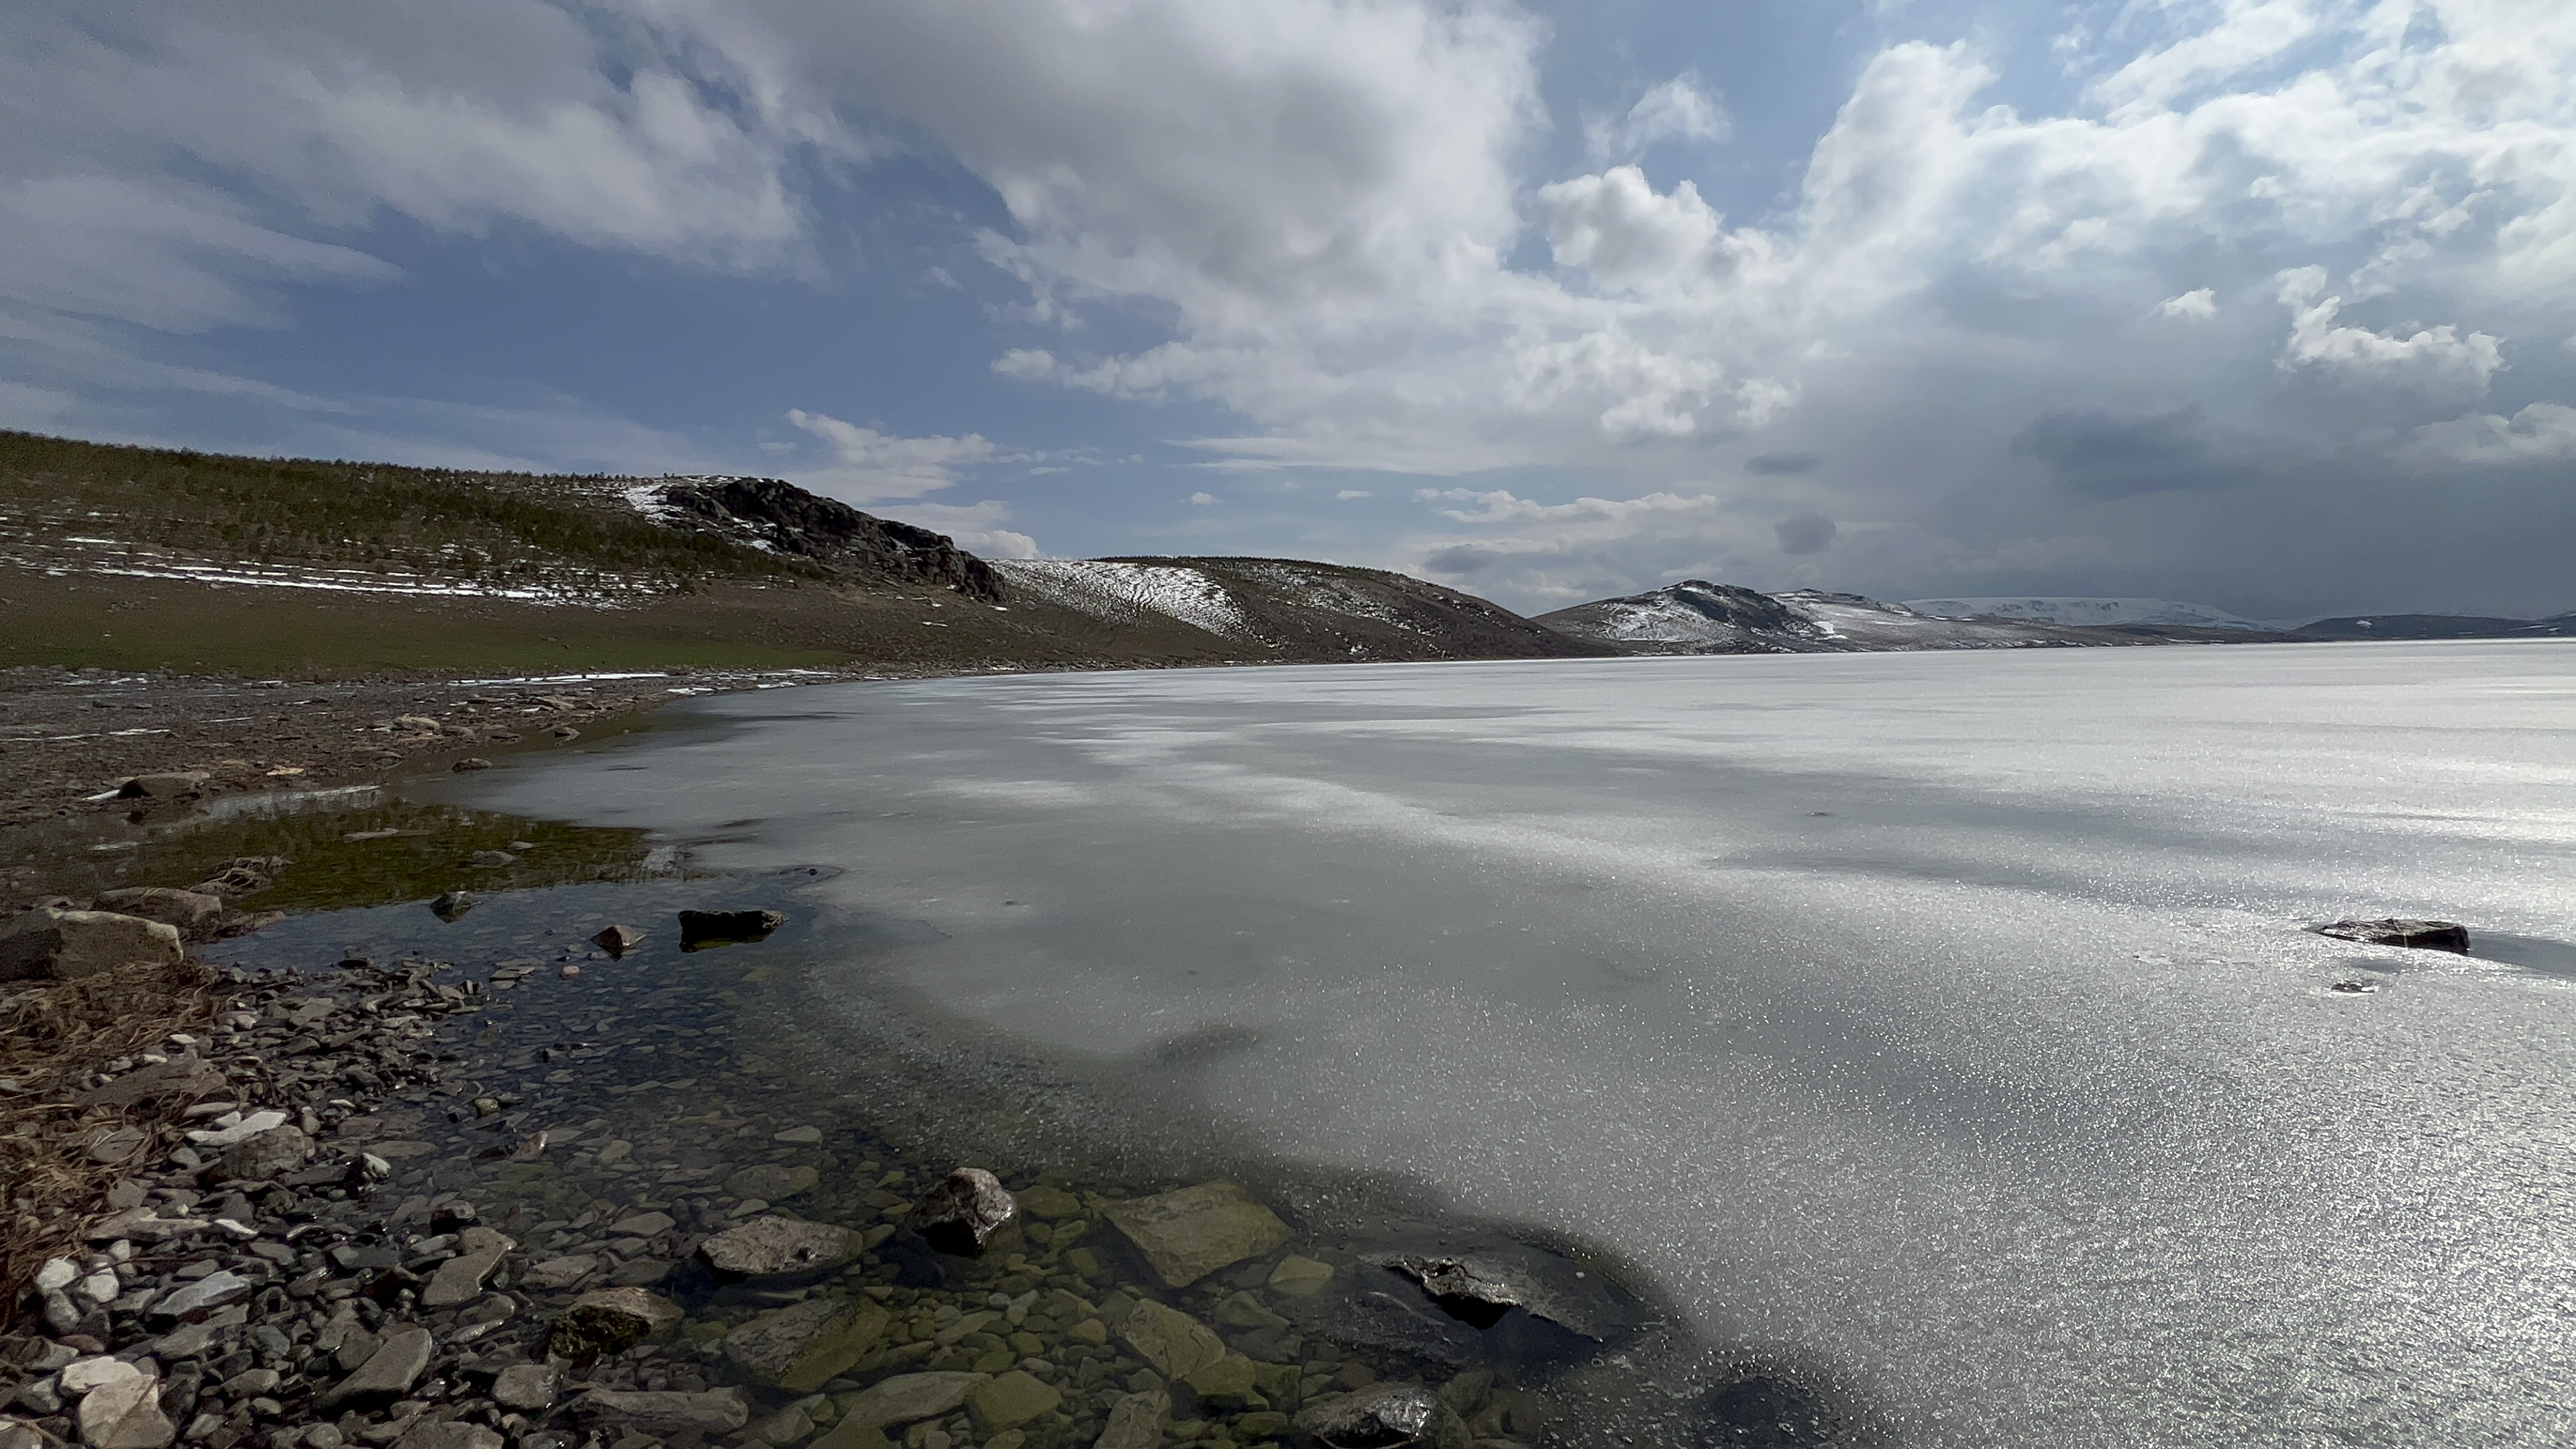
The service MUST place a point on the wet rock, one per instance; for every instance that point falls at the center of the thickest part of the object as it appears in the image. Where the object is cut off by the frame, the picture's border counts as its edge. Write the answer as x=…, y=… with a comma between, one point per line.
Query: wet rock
x=247, y=875
x=1176, y=1344
x=798, y=1136
x=618, y=940
x=565, y=733
x=771, y=1182
x=125, y=1413
x=265, y=1156
x=451, y=905
x=525, y=1387
x=963, y=1211
x=805, y=1345
x=1135, y=1422
x=195, y=1300
x=401, y=1356
x=1050, y=1204
x=1480, y=1285
x=460, y=1279
x=609, y=1320
x=664, y=1413
x=470, y=764
x=187, y=910
x=1299, y=1277
x=723, y=928
x=428, y=1433
x=2399, y=931
x=643, y=1225
x=491, y=859
x=1461, y=1290
x=1010, y=1399
x=1190, y=1233
x=556, y=1274
x=69, y=945
x=1384, y=1416
x=168, y=785
x=905, y=1398
x=769, y=1247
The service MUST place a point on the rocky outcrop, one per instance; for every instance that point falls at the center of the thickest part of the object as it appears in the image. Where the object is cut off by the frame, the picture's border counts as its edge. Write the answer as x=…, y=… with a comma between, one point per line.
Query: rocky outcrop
x=776, y=516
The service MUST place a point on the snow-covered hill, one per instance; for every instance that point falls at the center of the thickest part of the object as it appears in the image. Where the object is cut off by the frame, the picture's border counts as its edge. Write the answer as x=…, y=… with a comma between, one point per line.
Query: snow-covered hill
x=2086, y=611
x=1699, y=617
x=1289, y=608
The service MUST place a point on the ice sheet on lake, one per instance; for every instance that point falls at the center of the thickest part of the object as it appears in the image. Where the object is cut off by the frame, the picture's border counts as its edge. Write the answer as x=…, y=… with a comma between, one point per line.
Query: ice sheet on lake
x=1942, y=1018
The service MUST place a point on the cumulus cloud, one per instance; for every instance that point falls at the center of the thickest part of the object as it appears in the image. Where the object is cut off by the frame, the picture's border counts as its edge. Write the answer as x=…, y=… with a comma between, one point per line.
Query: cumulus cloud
x=1202, y=500
x=870, y=465
x=2199, y=304
x=1805, y=533
x=2435, y=352
x=1677, y=110
x=2542, y=432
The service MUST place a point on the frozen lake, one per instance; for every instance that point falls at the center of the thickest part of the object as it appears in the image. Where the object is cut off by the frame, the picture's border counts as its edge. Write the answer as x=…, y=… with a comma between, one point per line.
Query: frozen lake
x=1944, y=1021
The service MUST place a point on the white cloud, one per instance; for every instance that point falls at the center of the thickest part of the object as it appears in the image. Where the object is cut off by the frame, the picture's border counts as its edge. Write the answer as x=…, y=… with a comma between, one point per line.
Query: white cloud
x=1347, y=494
x=2541, y=433
x=1677, y=110
x=1202, y=500
x=870, y=465
x=2432, y=351
x=974, y=527
x=2200, y=304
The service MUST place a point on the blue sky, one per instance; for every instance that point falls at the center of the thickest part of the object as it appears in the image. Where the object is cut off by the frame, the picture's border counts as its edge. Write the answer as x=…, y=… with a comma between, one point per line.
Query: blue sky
x=2263, y=303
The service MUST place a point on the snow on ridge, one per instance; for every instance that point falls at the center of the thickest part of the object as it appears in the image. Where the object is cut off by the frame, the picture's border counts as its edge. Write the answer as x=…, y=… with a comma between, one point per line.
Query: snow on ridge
x=1124, y=591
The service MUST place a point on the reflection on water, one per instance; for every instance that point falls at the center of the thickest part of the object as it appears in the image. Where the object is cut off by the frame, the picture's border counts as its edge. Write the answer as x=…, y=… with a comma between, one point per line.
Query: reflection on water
x=1946, y=1023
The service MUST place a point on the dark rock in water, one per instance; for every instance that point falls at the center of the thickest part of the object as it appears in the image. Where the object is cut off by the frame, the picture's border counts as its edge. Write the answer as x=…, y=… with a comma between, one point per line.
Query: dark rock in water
x=959, y=1214
x=1773, y=1412
x=724, y=928
x=1384, y=1416
x=1461, y=1292
x=167, y=786
x=618, y=940
x=2398, y=931
x=247, y=874
x=470, y=763
x=451, y=905
x=608, y=1321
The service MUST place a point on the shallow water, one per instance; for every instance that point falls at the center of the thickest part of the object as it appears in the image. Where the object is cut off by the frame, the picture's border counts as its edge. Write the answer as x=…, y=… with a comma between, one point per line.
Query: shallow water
x=1943, y=1022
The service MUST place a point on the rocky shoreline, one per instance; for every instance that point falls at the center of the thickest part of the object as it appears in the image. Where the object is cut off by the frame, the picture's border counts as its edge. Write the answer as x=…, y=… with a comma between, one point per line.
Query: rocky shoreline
x=352, y=1206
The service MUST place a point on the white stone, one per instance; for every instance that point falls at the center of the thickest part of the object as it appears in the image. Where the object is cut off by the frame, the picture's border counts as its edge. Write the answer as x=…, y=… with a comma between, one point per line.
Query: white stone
x=241, y=1131
x=82, y=1375
x=56, y=1275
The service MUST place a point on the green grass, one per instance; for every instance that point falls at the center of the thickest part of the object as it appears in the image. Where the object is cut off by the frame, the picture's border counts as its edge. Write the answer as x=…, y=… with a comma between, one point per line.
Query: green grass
x=494, y=528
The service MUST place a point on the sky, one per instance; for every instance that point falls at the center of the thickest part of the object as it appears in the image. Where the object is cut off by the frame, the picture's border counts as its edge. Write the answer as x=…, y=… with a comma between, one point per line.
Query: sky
x=2264, y=304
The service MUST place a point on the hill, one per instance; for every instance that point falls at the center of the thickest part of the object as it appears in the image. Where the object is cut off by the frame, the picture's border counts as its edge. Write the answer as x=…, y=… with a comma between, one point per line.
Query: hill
x=1699, y=617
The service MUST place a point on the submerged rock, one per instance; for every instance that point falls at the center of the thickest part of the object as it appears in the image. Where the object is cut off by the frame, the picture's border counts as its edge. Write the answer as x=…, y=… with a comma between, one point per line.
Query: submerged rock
x=451, y=905
x=1384, y=1416
x=906, y=1398
x=609, y=1320
x=963, y=1211
x=2402, y=931
x=725, y=928
x=769, y=1247
x=1193, y=1231
x=665, y=1413
x=618, y=940
x=805, y=1345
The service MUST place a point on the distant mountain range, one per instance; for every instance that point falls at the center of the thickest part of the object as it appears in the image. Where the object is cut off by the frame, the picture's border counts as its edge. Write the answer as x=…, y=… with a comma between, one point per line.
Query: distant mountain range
x=132, y=557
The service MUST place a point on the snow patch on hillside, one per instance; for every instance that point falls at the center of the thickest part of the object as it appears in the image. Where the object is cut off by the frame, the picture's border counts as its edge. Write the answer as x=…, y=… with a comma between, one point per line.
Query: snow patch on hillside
x=1124, y=592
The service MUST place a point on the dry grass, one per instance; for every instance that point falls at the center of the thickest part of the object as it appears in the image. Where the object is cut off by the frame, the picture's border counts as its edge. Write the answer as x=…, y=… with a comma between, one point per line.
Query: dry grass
x=52, y=1035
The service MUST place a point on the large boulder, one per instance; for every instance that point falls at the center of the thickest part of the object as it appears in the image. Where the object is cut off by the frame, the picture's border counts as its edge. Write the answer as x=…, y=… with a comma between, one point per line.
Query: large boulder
x=1385, y=1416
x=1190, y=1233
x=125, y=1413
x=2399, y=931
x=68, y=945
x=964, y=1210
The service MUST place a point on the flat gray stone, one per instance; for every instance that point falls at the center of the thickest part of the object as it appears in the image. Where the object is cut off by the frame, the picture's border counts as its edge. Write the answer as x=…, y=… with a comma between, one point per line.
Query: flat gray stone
x=1135, y=1422
x=526, y=1387
x=908, y=1397
x=126, y=1413
x=196, y=1300
x=664, y=1413
x=772, y=1182
x=768, y=1247
x=460, y=1279
x=1191, y=1232
x=556, y=1274
x=1176, y=1344
x=428, y=1433
x=643, y=1225
x=401, y=1356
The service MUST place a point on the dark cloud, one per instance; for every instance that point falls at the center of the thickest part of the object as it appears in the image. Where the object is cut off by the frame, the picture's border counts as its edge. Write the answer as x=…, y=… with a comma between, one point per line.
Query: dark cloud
x=1809, y=532
x=2098, y=455
x=1463, y=558
x=1777, y=465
